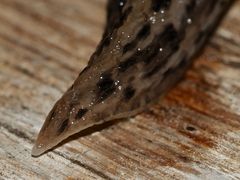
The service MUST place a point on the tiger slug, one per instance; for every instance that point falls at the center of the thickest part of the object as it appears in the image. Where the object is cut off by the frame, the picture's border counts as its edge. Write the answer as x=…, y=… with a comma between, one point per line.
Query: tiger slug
x=145, y=50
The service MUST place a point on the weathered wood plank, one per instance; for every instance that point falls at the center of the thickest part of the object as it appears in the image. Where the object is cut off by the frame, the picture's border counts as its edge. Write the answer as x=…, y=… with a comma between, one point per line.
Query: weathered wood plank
x=193, y=133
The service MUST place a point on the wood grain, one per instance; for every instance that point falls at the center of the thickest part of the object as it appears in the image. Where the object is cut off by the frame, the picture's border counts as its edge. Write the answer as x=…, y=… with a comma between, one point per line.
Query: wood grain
x=193, y=133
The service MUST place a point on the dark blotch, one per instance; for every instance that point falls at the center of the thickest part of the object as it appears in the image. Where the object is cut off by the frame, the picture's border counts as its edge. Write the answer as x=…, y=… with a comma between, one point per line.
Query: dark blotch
x=169, y=39
x=170, y=33
x=144, y=32
x=81, y=113
x=123, y=66
x=128, y=93
x=123, y=17
x=151, y=51
x=190, y=7
x=63, y=126
x=129, y=46
x=104, y=43
x=105, y=86
x=114, y=14
x=157, y=5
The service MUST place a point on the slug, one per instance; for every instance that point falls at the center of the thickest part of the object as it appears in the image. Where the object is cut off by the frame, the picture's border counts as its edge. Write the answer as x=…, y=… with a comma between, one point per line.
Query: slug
x=145, y=50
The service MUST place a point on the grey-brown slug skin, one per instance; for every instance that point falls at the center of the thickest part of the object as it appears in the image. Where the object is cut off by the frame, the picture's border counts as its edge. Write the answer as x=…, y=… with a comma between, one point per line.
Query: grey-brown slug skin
x=146, y=48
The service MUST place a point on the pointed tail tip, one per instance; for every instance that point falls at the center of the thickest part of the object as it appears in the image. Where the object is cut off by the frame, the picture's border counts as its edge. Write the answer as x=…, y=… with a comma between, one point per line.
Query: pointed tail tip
x=37, y=151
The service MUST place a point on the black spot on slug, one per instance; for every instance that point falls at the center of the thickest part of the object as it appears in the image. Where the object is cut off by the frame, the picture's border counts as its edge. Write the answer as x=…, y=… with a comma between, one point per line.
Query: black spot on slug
x=157, y=5
x=106, y=41
x=114, y=14
x=105, y=86
x=169, y=34
x=151, y=51
x=144, y=32
x=123, y=17
x=128, y=93
x=190, y=7
x=129, y=46
x=63, y=126
x=169, y=39
x=81, y=113
x=123, y=66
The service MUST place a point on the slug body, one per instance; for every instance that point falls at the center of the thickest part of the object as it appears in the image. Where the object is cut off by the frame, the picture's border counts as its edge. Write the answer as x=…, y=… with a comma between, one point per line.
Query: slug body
x=146, y=48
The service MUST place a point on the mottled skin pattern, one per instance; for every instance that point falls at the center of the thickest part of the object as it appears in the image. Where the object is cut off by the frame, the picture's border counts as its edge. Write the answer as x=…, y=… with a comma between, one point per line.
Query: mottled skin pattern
x=146, y=48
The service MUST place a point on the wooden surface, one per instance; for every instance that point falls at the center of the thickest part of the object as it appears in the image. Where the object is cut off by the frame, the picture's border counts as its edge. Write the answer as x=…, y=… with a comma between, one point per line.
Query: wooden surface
x=194, y=133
